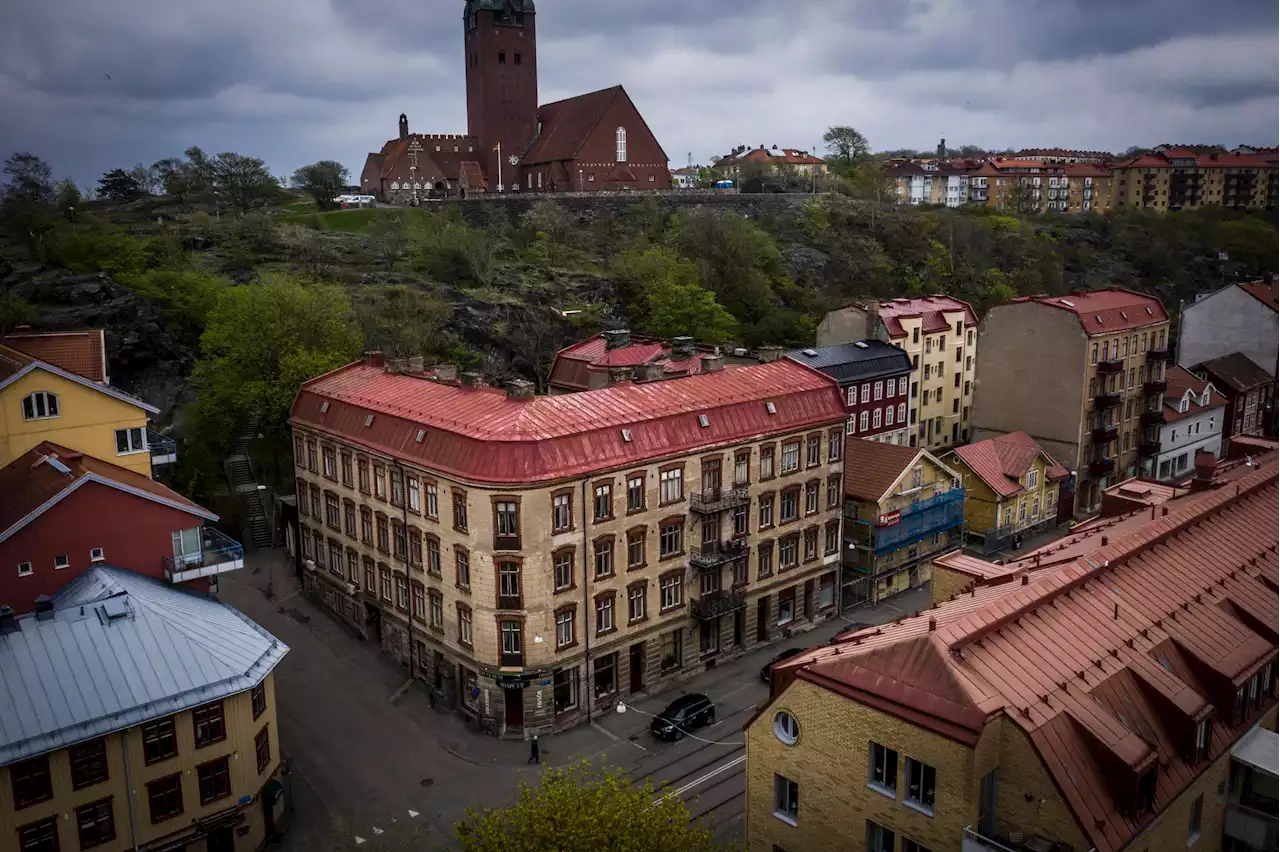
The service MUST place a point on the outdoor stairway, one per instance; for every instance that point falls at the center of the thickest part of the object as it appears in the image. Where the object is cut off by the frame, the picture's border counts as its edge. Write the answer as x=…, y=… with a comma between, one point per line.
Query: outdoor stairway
x=239, y=469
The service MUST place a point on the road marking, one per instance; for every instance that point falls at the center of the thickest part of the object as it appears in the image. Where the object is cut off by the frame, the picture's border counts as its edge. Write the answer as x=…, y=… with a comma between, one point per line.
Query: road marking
x=732, y=692
x=359, y=840
x=404, y=687
x=288, y=596
x=608, y=733
x=708, y=776
x=412, y=814
x=377, y=830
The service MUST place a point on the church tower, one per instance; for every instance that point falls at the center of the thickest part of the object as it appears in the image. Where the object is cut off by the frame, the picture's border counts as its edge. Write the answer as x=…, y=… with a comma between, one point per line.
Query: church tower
x=502, y=83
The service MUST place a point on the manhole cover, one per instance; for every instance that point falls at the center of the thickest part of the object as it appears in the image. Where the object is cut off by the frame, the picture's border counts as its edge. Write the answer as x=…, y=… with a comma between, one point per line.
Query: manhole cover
x=427, y=782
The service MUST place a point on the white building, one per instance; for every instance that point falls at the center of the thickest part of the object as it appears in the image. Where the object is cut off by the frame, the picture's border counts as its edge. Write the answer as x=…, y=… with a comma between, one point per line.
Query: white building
x=1193, y=418
x=1238, y=318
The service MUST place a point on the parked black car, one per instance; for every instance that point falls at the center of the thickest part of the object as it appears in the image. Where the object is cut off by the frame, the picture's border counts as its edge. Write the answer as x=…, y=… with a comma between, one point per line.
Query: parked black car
x=687, y=712
x=784, y=655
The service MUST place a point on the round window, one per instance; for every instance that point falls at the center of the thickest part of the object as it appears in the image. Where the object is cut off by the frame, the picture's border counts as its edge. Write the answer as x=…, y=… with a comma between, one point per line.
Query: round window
x=786, y=728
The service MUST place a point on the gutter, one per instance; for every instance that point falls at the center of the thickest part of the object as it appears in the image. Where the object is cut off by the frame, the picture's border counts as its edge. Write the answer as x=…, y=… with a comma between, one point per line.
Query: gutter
x=128, y=783
x=408, y=568
x=586, y=608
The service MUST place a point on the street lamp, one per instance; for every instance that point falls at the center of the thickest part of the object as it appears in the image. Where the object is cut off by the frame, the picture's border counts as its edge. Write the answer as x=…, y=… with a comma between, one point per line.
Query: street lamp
x=413, y=179
x=579, y=180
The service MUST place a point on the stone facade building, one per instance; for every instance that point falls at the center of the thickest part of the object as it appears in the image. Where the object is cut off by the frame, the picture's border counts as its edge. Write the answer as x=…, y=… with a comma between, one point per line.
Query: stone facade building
x=538, y=558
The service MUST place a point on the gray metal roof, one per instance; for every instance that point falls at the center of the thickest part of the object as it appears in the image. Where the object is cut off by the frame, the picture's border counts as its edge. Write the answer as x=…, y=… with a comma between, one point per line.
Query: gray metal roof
x=855, y=362
x=118, y=650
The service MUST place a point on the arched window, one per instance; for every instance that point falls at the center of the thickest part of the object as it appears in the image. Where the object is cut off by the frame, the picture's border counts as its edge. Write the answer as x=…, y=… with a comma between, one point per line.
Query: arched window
x=39, y=405
x=620, y=137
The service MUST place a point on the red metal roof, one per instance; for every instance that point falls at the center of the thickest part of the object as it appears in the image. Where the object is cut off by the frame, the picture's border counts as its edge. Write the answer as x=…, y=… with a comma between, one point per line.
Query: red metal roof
x=1106, y=311
x=928, y=308
x=1180, y=381
x=483, y=435
x=573, y=363
x=1001, y=462
x=1106, y=663
x=871, y=467
x=31, y=480
x=80, y=352
x=1264, y=292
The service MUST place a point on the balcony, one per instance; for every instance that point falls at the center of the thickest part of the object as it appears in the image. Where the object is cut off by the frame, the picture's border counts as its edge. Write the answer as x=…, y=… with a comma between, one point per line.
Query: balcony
x=1161, y=354
x=972, y=841
x=1147, y=449
x=1152, y=418
x=163, y=450
x=1110, y=368
x=1250, y=826
x=1104, y=434
x=218, y=554
x=716, y=604
x=715, y=500
x=1101, y=467
x=1155, y=386
x=717, y=553
x=1105, y=400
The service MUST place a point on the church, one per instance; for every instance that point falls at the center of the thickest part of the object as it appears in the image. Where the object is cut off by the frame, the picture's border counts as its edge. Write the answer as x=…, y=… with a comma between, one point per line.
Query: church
x=592, y=142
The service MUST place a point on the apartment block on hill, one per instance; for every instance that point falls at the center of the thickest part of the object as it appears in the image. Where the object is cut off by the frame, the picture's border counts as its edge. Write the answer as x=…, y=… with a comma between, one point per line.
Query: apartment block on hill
x=1082, y=374
x=1174, y=178
x=1036, y=186
x=137, y=715
x=1242, y=318
x=939, y=334
x=1123, y=699
x=538, y=557
x=873, y=376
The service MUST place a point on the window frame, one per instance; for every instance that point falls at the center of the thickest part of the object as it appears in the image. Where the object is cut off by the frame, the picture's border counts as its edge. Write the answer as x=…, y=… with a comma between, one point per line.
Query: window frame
x=217, y=723
x=786, y=799
x=129, y=434
x=153, y=791
x=88, y=767
x=98, y=812
x=218, y=768
x=38, y=400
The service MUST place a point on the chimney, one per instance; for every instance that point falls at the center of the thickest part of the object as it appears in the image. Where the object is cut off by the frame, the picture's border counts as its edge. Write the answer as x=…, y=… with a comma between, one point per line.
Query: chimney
x=472, y=380
x=445, y=372
x=648, y=372
x=404, y=126
x=416, y=364
x=682, y=347
x=395, y=365
x=618, y=338
x=520, y=389
x=619, y=375
x=8, y=623
x=44, y=608
x=1206, y=463
x=712, y=363
x=374, y=358
x=769, y=353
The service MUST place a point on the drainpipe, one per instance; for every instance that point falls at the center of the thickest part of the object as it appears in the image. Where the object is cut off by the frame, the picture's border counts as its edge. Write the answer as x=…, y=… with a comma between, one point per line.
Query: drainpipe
x=128, y=783
x=408, y=569
x=586, y=607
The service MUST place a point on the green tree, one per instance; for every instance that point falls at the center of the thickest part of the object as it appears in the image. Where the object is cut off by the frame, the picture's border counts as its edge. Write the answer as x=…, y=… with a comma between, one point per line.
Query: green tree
x=846, y=146
x=14, y=312
x=547, y=217
x=688, y=309
x=28, y=178
x=119, y=186
x=736, y=260
x=581, y=809
x=185, y=297
x=199, y=169
x=147, y=179
x=66, y=197
x=242, y=182
x=637, y=271
x=401, y=320
x=260, y=343
x=176, y=178
x=323, y=181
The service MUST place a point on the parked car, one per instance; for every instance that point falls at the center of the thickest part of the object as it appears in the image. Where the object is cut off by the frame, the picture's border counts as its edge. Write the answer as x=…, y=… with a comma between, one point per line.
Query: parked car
x=687, y=712
x=784, y=655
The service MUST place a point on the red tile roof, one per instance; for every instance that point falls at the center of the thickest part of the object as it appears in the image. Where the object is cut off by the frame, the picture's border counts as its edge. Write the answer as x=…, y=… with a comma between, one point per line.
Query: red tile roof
x=1106, y=663
x=1264, y=292
x=13, y=362
x=1001, y=462
x=482, y=435
x=1180, y=381
x=871, y=467
x=568, y=124
x=1106, y=311
x=772, y=156
x=393, y=161
x=574, y=363
x=28, y=482
x=929, y=309
x=80, y=352
x=1202, y=160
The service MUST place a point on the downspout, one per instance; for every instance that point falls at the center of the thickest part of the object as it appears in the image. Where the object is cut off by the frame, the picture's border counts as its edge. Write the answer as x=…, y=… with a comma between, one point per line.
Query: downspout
x=128, y=783
x=408, y=569
x=586, y=606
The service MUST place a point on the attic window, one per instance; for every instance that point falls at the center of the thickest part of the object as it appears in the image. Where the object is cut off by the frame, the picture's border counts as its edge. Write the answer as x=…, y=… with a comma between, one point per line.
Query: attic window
x=324, y=407
x=860, y=344
x=368, y=420
x=812, y=353
x=626, y=435
x=703, y=421
x=1149, y=313
x=1124, y=315
x=422, y=433
x=771, y=408
x=1098, y=318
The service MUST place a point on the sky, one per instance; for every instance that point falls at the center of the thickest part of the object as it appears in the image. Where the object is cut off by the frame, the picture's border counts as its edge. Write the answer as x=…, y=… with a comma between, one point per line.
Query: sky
x=92, y=86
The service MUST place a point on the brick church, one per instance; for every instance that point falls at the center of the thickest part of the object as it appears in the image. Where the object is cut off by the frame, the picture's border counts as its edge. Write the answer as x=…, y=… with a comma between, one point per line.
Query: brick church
x=597, y=141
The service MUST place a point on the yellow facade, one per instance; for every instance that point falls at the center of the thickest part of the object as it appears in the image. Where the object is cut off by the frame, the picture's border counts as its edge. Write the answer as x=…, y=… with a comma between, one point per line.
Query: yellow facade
x=125, y=795
x=1169, y=187
x=984, y=510
x=87, y=420
x=942, y=381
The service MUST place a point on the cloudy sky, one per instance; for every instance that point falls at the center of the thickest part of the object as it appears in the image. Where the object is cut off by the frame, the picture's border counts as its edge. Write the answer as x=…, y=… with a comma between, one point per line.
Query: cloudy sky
x=91, y=85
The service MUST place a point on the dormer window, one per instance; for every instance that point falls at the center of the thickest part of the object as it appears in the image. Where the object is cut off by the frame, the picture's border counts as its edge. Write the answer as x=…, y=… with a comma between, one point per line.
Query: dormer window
x=40, y=405
x=1204, y=398
x=1146, y=795
x=1200, y=747
x=1183, y=405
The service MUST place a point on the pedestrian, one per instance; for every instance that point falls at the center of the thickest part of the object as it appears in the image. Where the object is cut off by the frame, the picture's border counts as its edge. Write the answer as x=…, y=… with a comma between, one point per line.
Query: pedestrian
x=533, y=749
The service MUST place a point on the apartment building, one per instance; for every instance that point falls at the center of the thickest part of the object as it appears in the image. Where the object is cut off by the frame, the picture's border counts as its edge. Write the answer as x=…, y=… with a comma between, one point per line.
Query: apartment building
x=789, y=159
x=1243, y=317
x=873, y=376
x=931, y=182
x=1186, y=178
x=1064, y=155
x=1082, y=374
x=1194, y=412
x=1250, y=393
x=1124, y=699
x=902, y=508
x=1036, y=186
x=137, y=716
x=1011, y=487
x=536, y=558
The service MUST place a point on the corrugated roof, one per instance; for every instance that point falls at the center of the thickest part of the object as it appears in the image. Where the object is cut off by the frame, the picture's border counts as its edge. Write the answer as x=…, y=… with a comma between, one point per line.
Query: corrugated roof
x=82, y=352
x=1106, y=311
x=1180, y=382
x=84, y=673
x=871, y=467
x=1264, y=292
x=48, y=472
x=482, y=435
x=929, y=309
x=1236, y=371
x=849, y=362
x=1003, y=461
x=1182, y=607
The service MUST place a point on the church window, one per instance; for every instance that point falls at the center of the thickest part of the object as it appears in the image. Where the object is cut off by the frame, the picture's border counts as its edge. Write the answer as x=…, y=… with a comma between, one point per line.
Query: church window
x=539, y=180
x=502, y=57
x=517, y=59
x=620, y=138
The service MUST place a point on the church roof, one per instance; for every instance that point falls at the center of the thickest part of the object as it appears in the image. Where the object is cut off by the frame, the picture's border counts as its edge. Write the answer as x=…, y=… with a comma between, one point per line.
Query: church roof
x=567, y=125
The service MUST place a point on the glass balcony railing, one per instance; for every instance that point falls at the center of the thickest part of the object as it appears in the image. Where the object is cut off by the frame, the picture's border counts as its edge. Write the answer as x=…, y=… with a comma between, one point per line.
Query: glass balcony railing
x=163, y=450
x=218, y=554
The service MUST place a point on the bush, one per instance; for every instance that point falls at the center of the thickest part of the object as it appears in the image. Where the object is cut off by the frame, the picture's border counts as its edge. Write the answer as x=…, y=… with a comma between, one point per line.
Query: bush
x=184, y=298
x=92, y=250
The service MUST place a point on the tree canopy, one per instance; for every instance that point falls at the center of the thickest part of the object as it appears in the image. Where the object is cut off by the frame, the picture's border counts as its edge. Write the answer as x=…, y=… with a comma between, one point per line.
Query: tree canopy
x=119, y=185
x=323, y=181
x=243, y=182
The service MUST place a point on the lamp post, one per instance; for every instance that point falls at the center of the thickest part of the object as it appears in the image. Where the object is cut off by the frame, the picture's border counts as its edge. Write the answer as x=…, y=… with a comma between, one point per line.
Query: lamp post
x=413, y=179
x=498, y=148
x=579, y=180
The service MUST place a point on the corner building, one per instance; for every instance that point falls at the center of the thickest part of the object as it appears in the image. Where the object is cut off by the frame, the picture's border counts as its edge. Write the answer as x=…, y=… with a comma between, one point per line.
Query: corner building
x=537, y=558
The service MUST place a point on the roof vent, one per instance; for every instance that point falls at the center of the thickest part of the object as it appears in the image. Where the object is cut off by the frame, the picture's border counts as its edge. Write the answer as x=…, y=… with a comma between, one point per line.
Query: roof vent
x=812, y=353
x=324, y=407
x=422, y=433
x=1124, y=315
x=8, y=623
x=1098, y=318
x=56, y=464
x=703, y=421
x=368, y=420
x=44, y=608
x=114, y=609
x=1149, y=313
x=626, y=435
x=861, y=344
x=771, y=408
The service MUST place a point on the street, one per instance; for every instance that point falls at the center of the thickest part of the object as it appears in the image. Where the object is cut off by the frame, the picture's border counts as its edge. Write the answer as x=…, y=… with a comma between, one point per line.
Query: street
x=373, y=766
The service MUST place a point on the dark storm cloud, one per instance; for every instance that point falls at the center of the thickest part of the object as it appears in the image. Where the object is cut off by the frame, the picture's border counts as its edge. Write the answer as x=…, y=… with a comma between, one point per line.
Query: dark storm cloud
x=294, y=81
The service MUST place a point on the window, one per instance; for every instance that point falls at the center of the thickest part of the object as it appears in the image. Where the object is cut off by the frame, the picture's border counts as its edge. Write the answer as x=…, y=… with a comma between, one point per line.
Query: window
x=379, y=482
x=786, y=728
x=620, y=144
x=637, y=610
x=511, y=634
x=765, y=559
x=506, y=525
x=349, y=513
x=603, y=503
x=370, y=583
x=813, y=450
x=460, y=511
x=810, y=498
x=670, y=539
x=562, y=562
x=879, y=838
x=95, y=823
x=790, y=457
x=671, y=485
x=742, y=469
x=383, y=534
x=786, y=799
x=130, y=441
x=437, y=608
x=564, y=627
x=604, y=613
x=565, y=689
x=766, y=511
x=397, y=488
x=209, y=724
x=864, y=421
x=332, y=511
x=788, y=552
x=866, y=393
x=214, y=780
x=561, y=512
x=790, y=505
x=835, y=445
x=262, y=748
x=433, y=499
x=39, y=405
x=810, y=544
x=635, y=548
x=362, y=472
x=635, y=493
x=462, y=566
x=31, y=782
x=464, y=624
x=832, y=544
x=920, y=784
x=508, y=585
x=61, y=561
x=671, y=591
x=766, y=463
x=740, y=520
x=604, y=675
x=164, y=796
x=1193, y=824
x=88, y=763
x=902, y=386
x=875, y=419
x=888, y=415
x=786, y=605
x=603, y=549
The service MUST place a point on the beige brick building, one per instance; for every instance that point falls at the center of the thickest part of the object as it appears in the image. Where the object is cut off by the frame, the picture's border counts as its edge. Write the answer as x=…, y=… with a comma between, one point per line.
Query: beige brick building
x=1034, y=186
x=1122, y=700
x=1083, y=375
x=539, y=557
x=1174, y=178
